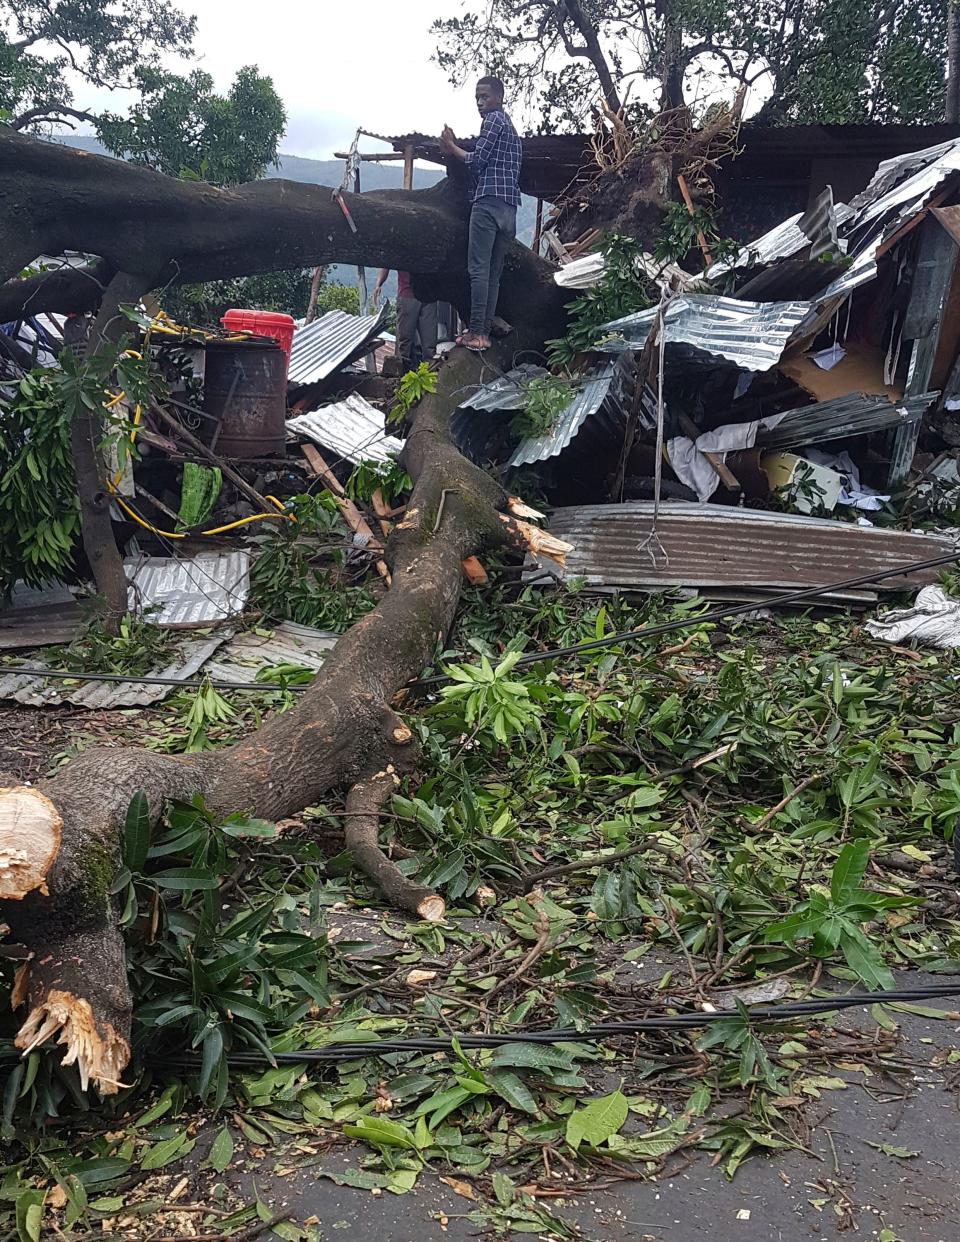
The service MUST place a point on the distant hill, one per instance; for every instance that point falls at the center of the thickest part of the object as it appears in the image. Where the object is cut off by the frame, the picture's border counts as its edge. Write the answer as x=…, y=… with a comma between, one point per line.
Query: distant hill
x=388, y=176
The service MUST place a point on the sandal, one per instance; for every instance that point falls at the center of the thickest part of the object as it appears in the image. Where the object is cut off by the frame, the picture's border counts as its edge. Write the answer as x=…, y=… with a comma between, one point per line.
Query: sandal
x=473, y=341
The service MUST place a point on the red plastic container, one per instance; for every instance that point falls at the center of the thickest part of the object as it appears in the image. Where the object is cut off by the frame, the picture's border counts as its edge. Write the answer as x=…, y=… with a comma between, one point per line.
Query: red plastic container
x=263, y=323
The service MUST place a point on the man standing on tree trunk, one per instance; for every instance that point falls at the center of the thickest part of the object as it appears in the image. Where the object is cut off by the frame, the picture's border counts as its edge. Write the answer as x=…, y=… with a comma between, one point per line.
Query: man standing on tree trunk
x=494, y=164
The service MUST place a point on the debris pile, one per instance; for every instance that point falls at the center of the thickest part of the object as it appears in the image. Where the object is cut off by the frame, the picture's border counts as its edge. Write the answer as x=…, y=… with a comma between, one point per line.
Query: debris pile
x=814, y=374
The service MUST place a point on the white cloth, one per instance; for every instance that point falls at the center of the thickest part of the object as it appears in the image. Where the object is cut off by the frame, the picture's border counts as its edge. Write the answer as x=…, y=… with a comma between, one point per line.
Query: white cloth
x=934, y=620
x=693, y=469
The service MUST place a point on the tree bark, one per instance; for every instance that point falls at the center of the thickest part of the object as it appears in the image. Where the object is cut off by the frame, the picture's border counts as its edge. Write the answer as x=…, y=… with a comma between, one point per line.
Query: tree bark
x=55, y=199
x=952, y=110
x=344, y=733
x=57, y=864
x=86, y=438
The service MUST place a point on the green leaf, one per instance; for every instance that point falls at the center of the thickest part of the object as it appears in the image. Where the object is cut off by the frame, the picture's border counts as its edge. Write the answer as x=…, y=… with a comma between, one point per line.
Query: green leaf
x=865, y=959
x=379, y=1132
x=595, y=1123
x=249, y=828
x=166, y=1152
x=136, y=832
x=29, y=1215
x=186, y=879
x=212, y=1056
x=221, y=1151
x=848, y=871
x=513, y=1089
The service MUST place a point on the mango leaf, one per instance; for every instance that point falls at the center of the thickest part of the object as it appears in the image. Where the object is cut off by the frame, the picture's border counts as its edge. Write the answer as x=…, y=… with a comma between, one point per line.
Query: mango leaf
x=513, y=1089
x=165, y=1153
x=848, y=871
x=29, y=1215
x=379, y=1132
x=186, y=879
x=595, y=1123
x=136, y=832
x=652, y=1146
x=221, y=1151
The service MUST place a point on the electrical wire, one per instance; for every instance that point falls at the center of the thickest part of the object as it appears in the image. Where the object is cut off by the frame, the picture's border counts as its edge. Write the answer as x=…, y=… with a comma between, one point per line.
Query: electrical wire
x=532, y=657
x=592, y=1034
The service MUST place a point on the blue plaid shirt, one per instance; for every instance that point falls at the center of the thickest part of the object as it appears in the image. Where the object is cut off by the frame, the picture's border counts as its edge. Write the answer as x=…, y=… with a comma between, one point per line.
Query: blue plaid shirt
x=495, y=160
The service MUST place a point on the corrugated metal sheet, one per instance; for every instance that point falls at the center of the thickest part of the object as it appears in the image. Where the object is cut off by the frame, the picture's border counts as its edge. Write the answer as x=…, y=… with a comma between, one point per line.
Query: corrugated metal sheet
x=854, y=415
x=751, y=334
x=595, y=390
x=750, y=550
x=243, y=657
x=189, y=592
x=35, y=691
x=475, y=425
x=222, y=657
x=321, y=347
x=585, y=272
x=353, y=428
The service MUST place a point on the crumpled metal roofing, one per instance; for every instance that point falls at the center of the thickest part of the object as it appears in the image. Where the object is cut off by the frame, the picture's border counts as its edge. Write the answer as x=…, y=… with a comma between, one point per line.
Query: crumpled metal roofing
x=189, y=592
x=223, y=657
x=243, y=657
x=352, y=428
x=753, y=335
x=853, y=415
x=741, y=551
x=322, y=347
x=604, y=386
x=34, y=691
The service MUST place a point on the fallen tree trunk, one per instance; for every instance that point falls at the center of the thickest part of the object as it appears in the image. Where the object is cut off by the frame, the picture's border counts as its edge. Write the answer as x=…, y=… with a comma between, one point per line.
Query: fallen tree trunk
x=54, y=199
x=60, y=844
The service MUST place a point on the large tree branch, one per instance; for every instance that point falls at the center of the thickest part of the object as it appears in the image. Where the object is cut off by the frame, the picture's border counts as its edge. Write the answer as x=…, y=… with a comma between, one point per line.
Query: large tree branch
x=49, y=112
x=55, y=198
x=61, y=841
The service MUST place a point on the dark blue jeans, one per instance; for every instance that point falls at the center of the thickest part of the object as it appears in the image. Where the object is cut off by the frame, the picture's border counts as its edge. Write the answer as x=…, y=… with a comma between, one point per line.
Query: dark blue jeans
x=493, y=226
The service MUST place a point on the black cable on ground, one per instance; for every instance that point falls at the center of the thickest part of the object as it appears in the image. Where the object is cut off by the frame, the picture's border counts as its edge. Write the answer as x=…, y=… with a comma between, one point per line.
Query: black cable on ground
x=532, y=657
x=591, y=1034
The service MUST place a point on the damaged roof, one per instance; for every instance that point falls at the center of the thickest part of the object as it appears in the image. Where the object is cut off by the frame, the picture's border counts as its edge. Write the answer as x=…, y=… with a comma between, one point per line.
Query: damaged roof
x=753, y=335
x=336, y=338
x=352, y=428
x=600, y=395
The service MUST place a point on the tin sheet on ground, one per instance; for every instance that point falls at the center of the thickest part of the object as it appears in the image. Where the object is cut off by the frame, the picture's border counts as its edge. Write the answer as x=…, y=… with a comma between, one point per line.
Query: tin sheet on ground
x=188, y=592
x=353, y=428
x=745, y=552
x=221, y=657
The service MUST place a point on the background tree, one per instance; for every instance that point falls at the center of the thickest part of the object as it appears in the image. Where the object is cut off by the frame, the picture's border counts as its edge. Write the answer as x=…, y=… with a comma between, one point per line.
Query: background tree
x=102, y=42
x=286, y=292
x=181, y=127
x=816, y=61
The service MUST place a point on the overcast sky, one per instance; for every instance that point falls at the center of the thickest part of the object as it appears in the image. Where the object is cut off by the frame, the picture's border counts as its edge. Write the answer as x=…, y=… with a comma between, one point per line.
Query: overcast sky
x=337, y=65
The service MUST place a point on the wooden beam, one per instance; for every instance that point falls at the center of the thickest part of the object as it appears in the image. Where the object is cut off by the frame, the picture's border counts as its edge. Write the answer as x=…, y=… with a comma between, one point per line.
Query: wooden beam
x=351, y=514
x=408, y=166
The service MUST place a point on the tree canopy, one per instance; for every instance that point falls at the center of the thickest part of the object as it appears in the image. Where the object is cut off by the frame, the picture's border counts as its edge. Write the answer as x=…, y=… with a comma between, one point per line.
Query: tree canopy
x=181, y=127
x=105, y=44
x=816, y=61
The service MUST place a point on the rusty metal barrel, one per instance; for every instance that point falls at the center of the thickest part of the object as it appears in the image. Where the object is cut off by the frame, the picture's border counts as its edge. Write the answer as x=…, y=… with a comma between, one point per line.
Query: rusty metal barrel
x=245, y=390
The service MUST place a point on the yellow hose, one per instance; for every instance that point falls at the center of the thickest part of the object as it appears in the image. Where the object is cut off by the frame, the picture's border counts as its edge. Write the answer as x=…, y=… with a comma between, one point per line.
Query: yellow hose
x=113, y=484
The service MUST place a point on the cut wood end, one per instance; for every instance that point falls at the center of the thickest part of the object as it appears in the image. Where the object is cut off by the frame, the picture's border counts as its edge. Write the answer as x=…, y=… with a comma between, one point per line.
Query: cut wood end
x=98, y=1052
x=519, y=508
x=432, y=909
x=30, y=831
x=402, y=735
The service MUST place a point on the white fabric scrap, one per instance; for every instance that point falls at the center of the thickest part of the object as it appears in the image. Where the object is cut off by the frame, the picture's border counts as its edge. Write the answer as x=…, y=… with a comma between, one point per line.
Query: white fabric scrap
x=691, y=466
x=934, y=620
x=827, y=359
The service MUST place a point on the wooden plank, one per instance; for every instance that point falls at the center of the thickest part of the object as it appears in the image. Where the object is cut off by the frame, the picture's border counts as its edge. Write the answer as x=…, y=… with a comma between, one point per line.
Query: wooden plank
x=408, y=166
x=351, y=514
x=721, y=469
x=923, y=323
